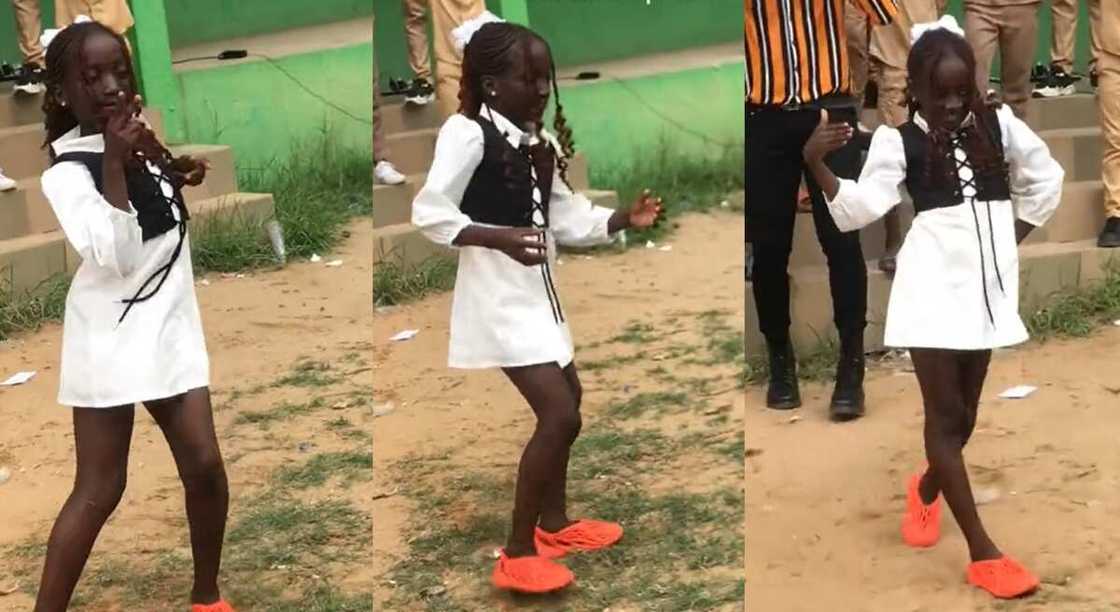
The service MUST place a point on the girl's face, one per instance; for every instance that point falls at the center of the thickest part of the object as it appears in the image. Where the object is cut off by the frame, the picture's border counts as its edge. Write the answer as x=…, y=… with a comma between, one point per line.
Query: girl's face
x=92, y=87
x=522, y=94
x=947, y=97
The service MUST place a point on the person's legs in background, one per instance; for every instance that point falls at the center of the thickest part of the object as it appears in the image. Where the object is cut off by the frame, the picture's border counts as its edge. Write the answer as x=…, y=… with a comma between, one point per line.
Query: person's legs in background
x=1094, y=39
x=1108, y=101
x=855, y=22
x=446, y=16
x=29, y=27
x=1018, y=37
x=1059, y=80
x=113, y=13
x=982, y=32
x=383, y=170
x=416, y=33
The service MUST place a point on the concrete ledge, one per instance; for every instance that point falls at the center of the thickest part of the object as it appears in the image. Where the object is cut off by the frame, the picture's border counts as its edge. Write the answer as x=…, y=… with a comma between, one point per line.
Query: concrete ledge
x=27, y=261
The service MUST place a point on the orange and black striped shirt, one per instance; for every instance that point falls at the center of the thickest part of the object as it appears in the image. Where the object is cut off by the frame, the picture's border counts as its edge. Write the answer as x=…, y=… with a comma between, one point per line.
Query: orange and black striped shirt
x=797, y=49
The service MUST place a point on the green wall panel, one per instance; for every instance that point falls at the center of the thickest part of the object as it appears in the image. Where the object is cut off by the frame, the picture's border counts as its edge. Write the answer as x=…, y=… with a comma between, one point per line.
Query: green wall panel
x=263, y=115
x=196, y=21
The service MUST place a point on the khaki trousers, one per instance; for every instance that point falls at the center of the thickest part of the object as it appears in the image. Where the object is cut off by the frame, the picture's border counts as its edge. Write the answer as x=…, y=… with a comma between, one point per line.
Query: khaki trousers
x=1012, y=29
x=112, y=13
x=446, y=16
x=1065, y=30
x=416, y=32
x=29, y=26
x=1108, y=99
x=380, y=145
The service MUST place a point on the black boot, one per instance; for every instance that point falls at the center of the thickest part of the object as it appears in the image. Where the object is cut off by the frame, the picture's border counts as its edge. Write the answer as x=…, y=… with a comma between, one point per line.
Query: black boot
x=782, y=394
x=1110, y=235
x=847, y=397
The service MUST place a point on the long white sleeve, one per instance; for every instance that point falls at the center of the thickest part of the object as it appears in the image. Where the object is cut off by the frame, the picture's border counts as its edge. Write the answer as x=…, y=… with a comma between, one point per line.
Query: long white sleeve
x=435, y=210
x=575, y=221
x=1035, y=176
x=100, y=232
x=860, y=203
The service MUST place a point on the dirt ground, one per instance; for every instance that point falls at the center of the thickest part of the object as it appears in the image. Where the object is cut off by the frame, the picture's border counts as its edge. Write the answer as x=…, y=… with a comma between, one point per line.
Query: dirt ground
x=658, y=339
x=824, y=500
x=290, y=375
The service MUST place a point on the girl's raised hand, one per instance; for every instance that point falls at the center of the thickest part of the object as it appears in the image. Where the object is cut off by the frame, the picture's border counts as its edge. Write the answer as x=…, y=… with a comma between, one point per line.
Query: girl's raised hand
x=826, y=137
x=124, y=133
x=646, y=211
x=190, y=171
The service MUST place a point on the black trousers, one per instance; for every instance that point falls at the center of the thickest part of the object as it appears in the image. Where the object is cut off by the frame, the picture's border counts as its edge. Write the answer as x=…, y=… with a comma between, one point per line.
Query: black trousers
x=775, y=166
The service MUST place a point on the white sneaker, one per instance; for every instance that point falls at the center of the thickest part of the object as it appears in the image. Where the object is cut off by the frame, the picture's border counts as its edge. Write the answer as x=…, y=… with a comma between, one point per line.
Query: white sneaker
x=6, y=184
x=421, y=94
x=420, y=99
x=31, y=89
x=387, y=174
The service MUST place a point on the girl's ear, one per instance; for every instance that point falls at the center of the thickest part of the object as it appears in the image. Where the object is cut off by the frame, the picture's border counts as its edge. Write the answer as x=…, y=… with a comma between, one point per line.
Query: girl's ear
x=489, y=87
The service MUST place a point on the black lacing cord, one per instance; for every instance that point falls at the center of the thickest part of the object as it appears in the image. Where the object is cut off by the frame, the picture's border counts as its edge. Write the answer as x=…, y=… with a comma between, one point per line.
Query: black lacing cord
x=164, y=271
x=971, y=182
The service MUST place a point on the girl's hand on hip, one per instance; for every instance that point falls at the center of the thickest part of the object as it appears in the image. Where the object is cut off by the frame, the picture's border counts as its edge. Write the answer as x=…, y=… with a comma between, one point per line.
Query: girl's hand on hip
x=524, y=244
x=826, y=138
x=647, y=211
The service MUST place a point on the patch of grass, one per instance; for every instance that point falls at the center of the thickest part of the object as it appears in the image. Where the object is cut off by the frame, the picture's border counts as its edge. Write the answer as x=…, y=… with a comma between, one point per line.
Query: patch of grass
x=349, y=466
x=608, y=363
x=230, y=240
x=687, y=183
x=636, y=333
x=1076, y=314
x=607, y=452
x=818, y=365
x=316, y=191
x=281, y=412
x=643, y=403
x=308, y=373
x=278, y=530
x=395, y=282
x=28, y=311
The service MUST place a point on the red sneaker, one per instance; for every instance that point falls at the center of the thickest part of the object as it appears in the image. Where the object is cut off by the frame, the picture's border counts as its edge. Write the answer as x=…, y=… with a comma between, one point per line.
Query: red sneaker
x=1004, y=578
x=530, y=574
x=921, y=525
x=582, y=535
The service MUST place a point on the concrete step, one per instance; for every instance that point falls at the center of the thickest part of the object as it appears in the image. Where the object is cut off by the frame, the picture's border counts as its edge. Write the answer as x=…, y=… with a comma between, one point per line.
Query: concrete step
x=26, y=210
x=1078, y=150
x=27, y=261
x=411, y=151
x=397, y=117
x=19, y=110
x=1045, y=269
x=1076, y=111
x=402, y=243
x=392, y=204
x=21, y=147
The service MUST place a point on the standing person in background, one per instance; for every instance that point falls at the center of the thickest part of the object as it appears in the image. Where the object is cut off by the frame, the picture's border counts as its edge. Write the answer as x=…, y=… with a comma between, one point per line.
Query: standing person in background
x=446, y=16
x=1012, y=27
x=879, y=54
x=114, y=14
x=29, y=27
x=1059, y=78
x=792, y=74
x=1108, y=98
x=416, y=33
x=384, y=171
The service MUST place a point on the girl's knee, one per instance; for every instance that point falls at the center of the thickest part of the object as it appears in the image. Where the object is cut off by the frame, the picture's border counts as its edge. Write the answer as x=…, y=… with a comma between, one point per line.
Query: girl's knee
x=565, y=423
x=204, y=472
x=101, y=494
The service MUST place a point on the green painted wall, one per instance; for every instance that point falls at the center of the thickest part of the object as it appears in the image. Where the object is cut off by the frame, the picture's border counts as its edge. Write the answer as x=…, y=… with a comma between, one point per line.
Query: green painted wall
x=262, y=114
x=586, y=31
x=195, y=21
x=617, y=122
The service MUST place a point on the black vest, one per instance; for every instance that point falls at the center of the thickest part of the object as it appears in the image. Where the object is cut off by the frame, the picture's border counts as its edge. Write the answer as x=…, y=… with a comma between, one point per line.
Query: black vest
x=501, y=190
x=992, y=186
x=153, y=210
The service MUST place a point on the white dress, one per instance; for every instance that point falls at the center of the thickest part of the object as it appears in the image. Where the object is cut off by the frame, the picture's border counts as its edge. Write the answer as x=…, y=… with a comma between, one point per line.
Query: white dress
x=501, y=313
x=158, y=350
x=944, y=271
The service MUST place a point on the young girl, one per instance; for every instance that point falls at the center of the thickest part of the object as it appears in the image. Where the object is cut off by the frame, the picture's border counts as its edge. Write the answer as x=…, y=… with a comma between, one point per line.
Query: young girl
x=132, y=331
x=498, y=191
x=980, y=181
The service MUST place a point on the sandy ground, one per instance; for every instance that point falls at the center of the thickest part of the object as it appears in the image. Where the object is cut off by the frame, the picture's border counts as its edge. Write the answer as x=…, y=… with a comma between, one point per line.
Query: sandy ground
x=482, y=423
x=824, y=501
x=257, y=328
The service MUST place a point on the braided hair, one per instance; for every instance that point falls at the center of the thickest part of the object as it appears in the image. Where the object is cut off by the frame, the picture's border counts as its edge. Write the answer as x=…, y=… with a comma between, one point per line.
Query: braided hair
x=491, y=52
x=64, y=55
x=984, y=154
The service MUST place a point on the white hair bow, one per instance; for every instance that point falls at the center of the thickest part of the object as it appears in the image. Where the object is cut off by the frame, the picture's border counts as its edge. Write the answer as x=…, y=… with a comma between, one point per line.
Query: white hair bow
x=464, y=33
x=48, y=35
x=948, y=22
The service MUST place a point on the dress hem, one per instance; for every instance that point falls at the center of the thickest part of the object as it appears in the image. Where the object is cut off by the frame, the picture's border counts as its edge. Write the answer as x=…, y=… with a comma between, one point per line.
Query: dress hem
x=146, y=397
